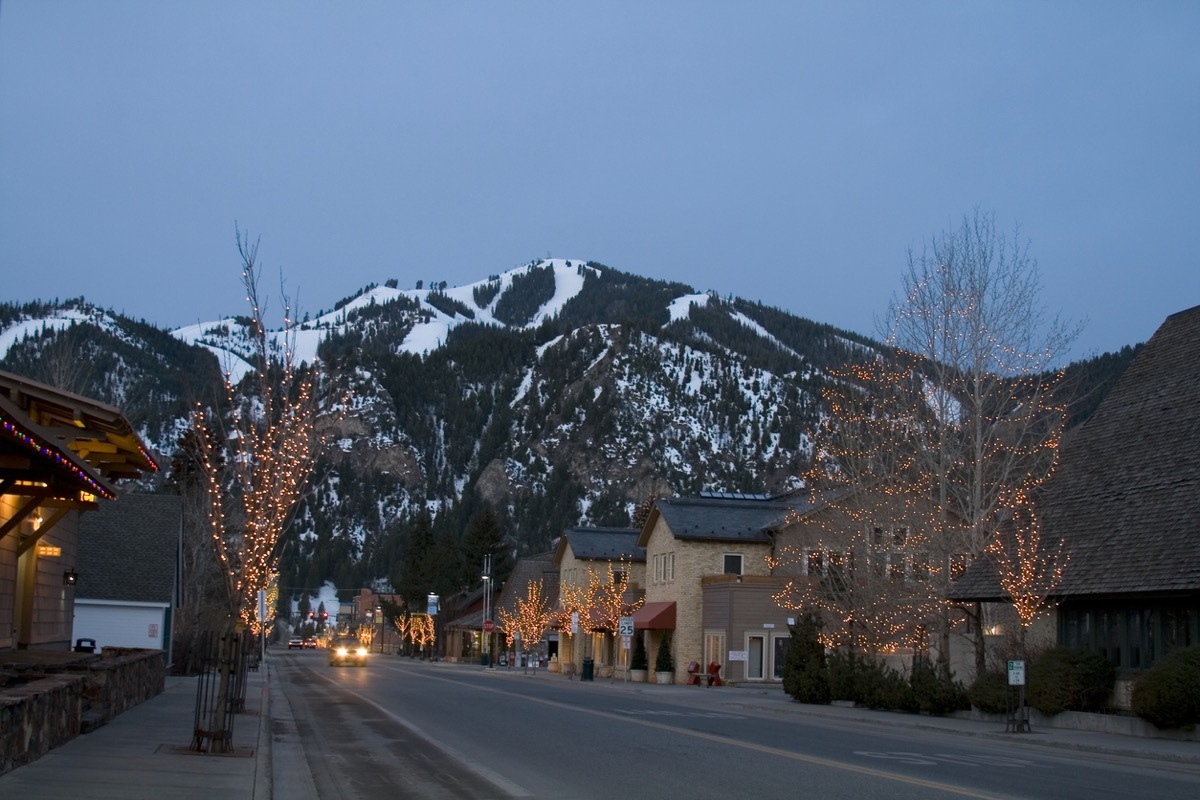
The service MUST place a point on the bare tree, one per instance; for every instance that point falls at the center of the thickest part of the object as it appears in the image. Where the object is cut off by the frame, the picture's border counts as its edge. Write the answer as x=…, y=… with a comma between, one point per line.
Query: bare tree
x=256, y=473
x=971, y=321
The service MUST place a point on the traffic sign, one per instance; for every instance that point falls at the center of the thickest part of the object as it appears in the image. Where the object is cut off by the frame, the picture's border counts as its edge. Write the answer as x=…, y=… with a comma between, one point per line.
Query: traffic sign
x=488, y=626
x=625, y=626
x=1016, y=673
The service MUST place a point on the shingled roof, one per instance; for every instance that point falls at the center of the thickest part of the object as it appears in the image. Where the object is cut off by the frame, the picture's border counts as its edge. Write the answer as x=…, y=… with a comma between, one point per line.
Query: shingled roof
x=534, y=568
x=602, y=544
x=1126, y=495
x=128, y=549
x=725, y=519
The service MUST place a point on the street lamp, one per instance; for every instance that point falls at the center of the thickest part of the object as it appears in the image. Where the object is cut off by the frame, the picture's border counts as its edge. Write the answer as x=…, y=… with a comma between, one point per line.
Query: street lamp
x=485, y=634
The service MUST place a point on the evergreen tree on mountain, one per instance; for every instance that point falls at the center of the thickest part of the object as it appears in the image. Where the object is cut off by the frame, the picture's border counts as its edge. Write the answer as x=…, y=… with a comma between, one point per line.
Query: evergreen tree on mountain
x=414, y=580
x=445, y=564
x=485, y=537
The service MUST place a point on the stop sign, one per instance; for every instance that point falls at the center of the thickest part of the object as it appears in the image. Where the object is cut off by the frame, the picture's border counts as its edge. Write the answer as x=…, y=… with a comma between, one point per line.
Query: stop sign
x=488, y=626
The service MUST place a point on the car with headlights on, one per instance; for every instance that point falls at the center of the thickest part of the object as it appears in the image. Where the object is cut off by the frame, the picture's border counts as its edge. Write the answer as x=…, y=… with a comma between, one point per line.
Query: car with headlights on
x=295, y=643
x=347, y=650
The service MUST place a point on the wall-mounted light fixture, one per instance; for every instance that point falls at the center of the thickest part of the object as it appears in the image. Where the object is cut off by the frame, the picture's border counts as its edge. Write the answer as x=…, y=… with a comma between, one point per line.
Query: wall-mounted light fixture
x=49, y=550
x=70, y=577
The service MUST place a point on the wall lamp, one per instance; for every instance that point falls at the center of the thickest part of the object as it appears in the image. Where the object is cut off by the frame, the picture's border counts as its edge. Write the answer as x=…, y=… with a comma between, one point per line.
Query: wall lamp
x=70, y=577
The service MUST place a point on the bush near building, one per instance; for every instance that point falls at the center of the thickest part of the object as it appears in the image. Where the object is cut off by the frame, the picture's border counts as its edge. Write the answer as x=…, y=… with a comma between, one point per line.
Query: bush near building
x=805, y=673
x=1069, y=679
x=867, y=682
x=1168, y=695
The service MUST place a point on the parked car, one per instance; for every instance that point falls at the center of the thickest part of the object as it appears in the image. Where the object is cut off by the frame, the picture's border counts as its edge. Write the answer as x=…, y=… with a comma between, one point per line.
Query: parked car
x=295, y=643
x=347, y=650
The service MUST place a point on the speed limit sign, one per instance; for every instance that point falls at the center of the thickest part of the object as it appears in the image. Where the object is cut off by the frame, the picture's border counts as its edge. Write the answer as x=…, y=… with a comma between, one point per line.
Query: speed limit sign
x=625, y=626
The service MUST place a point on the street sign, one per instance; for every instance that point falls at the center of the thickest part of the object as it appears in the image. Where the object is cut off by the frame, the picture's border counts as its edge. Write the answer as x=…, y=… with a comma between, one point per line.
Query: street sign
x=488, y=626
x=625, y=642
x=1016, y=673
x=625, y=626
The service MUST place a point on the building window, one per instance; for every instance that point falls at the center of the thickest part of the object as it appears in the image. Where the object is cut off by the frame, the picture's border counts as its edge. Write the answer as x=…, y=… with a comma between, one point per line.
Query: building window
x=664, y=567
x=733, y=564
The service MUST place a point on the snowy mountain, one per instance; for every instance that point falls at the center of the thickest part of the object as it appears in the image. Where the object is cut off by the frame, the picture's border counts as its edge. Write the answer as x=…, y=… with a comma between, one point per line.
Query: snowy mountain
x=557, y=394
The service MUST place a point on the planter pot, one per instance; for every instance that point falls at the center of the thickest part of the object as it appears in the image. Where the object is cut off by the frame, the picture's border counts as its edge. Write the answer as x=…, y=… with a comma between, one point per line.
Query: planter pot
x=664, y=677
x=553, y=666
x=638, y=675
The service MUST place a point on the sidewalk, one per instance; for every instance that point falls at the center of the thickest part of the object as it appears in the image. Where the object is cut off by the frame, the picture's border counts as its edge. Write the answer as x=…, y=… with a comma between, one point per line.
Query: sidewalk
x=143, y=754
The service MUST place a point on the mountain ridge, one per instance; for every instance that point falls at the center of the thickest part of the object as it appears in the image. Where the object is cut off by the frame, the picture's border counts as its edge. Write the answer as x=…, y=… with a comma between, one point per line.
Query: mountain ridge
x=557, y=394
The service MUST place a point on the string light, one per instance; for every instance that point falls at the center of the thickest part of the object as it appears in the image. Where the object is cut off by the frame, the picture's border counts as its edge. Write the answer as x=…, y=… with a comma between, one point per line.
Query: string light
x=273, y=447
x=892, y=489
x=54, y=454
x=530, y=619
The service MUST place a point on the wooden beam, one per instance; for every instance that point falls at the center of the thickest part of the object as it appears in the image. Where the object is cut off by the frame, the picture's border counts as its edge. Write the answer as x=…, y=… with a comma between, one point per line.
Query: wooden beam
x=22, y=514
x=43, y=529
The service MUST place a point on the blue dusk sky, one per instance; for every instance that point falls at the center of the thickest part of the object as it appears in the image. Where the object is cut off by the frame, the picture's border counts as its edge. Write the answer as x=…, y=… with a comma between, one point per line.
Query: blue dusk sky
x=785, y=152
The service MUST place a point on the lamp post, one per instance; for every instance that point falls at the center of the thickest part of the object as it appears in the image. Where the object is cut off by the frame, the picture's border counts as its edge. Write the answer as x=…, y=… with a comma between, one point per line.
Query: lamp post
x=485, y=634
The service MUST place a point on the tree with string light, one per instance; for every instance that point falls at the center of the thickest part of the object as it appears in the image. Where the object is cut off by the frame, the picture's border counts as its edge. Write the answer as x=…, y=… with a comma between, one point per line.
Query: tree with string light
x=1029, y=568
x=257, y=467
x=975, y=333
x=530, y=618
x=610, y=602
x=961, y=411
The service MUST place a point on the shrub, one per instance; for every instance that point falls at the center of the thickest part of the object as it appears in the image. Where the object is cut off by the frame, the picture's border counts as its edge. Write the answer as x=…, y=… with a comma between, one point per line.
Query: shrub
x=989, y=693
x=640, y=660
x=805, y=677
x=1070, y=679
x=843, y=676
x=663, y=660
x=1168, y=695
x=936, y=692
x=883, y=687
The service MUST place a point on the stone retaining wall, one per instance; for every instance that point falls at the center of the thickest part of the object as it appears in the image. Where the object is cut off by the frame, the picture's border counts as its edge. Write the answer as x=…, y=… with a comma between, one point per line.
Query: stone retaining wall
x=50, y=710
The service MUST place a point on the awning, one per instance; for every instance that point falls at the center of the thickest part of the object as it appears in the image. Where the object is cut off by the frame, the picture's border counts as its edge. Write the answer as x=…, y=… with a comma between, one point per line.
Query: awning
x=655, y=617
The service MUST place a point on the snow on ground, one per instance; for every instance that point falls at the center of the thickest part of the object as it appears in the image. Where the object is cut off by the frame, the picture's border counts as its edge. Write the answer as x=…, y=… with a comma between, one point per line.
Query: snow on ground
x=681, y=307
x=32, y=327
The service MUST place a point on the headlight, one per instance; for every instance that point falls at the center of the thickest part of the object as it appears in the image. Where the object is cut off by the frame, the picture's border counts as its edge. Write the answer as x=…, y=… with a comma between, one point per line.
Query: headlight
x=341, y=651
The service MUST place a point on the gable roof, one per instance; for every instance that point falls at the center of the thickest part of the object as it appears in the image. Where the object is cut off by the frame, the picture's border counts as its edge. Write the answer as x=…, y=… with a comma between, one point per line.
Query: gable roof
x=97, y=432
x=601, y=544
x=724, y=519
x=1126, y=496
x=128, y=549
x=540, y=567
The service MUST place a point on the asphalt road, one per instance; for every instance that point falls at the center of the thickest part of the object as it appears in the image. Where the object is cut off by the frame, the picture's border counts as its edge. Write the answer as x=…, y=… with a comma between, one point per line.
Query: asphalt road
x=406, y=729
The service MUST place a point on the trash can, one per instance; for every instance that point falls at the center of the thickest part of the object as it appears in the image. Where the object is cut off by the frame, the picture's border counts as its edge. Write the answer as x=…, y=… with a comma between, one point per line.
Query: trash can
x=483, y=659
x=589, y=670
x=85, y=645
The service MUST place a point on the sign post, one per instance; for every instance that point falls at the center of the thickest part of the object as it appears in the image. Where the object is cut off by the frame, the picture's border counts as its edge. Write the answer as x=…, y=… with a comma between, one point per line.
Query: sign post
x=1018, y=722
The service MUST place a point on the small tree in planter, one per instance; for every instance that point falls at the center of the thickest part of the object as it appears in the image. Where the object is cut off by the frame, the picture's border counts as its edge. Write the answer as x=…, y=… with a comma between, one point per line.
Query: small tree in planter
x=664, y=661
x=639, y=665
